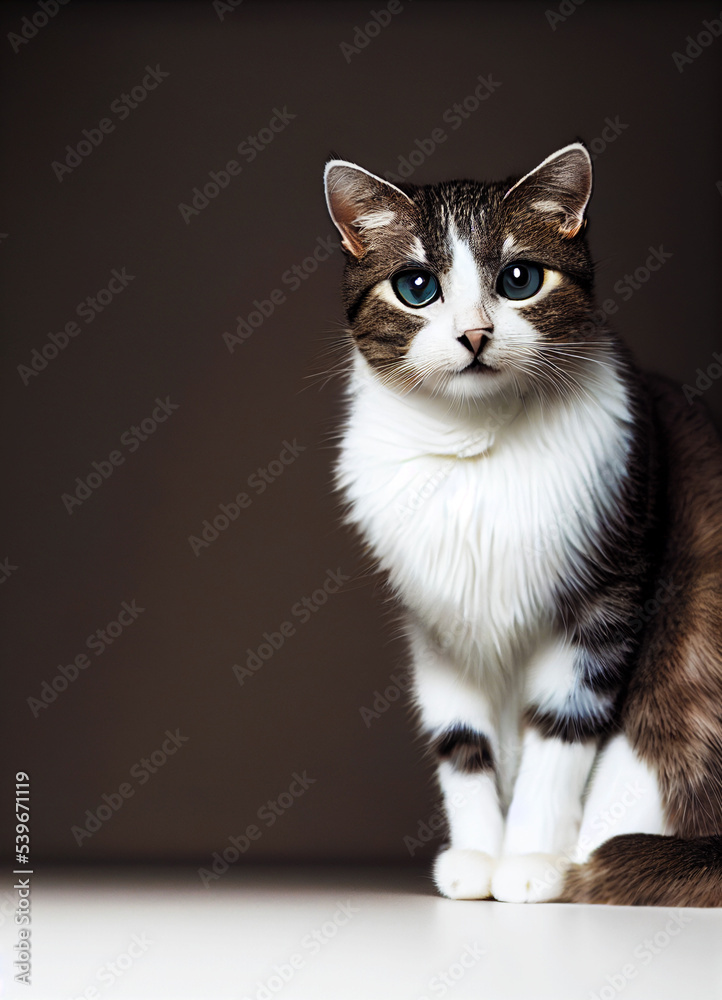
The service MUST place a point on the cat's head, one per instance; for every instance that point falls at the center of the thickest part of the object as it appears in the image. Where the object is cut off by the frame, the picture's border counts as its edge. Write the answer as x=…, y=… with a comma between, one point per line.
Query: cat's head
x=464, y=288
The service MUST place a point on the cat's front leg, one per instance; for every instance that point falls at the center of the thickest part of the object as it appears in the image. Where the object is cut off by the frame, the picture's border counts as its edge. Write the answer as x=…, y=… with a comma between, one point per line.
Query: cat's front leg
x=543, y=821
x=457, y=716
x=564, y=718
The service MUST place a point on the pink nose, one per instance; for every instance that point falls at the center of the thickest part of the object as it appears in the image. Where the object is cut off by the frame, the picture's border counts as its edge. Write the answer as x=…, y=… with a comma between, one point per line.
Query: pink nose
x=476, y=340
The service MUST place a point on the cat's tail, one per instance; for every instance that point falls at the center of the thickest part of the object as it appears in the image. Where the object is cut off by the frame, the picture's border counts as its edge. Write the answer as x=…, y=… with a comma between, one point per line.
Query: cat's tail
x=640, y=869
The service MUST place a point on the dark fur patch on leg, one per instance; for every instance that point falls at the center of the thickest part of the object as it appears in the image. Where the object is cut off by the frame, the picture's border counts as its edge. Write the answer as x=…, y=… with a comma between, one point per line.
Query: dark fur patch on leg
x=466, y=749
x=568, y=728
x=640, y=869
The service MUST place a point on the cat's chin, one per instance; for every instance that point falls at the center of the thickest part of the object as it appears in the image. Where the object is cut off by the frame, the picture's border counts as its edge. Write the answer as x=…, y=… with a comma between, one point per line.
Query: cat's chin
x=476, y=383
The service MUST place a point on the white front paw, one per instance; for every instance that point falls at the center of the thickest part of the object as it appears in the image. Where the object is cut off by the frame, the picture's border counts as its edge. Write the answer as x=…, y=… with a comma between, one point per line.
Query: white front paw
x=529, y=878
x=464, y=874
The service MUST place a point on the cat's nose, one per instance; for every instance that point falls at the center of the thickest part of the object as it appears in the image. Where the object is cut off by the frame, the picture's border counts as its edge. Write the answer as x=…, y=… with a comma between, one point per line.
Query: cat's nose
x=475, y=340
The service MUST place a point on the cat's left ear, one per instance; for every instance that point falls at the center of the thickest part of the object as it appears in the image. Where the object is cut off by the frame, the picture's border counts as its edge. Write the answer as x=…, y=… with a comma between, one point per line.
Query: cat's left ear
x=559, y=186
x=362, y=204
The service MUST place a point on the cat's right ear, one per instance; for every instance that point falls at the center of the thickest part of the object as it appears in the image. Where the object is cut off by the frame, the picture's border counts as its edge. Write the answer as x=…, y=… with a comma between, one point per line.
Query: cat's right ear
x=361, y=204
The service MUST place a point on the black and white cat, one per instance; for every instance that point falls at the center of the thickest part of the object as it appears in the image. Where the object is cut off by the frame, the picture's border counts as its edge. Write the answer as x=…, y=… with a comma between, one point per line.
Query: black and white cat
x=528, y=493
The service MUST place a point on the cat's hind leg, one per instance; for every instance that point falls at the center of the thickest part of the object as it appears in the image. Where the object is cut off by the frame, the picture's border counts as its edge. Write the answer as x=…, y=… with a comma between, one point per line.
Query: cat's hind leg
x=627, y=855
x=624, y=797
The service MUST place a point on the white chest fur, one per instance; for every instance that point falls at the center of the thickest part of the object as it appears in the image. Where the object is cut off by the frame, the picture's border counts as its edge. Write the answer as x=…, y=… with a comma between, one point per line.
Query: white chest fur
x=477, y=518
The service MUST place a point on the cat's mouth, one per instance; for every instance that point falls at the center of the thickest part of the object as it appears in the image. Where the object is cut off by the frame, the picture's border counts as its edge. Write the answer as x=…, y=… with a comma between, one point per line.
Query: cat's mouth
x=478, y=366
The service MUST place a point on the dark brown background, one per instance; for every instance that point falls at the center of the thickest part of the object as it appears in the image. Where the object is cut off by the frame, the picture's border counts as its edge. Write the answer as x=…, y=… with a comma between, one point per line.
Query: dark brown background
x=656, y=184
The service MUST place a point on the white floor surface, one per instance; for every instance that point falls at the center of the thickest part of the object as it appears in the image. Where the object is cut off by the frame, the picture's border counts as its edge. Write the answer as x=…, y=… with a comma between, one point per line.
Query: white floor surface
x=342, y=933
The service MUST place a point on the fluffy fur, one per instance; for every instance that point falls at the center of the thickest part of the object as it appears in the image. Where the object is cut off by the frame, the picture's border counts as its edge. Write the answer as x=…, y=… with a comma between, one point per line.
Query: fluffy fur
x=527, y=491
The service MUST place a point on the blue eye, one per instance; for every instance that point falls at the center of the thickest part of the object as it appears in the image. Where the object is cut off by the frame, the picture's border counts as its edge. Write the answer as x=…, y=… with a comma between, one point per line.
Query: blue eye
x=416, y=287
x=520, y=281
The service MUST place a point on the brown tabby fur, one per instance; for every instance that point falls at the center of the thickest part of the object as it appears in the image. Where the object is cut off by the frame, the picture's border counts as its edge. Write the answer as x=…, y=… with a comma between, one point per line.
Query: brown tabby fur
x=672, y=712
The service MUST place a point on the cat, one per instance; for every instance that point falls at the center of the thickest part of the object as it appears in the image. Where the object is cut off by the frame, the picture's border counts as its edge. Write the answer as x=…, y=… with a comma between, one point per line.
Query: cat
x=549, y=518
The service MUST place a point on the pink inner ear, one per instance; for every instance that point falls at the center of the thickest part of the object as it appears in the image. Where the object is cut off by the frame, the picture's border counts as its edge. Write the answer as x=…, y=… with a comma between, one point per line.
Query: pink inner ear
x=350, y=194
x=361, y=203
x=345, y=212
x=571, y=226
x=562, y=186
